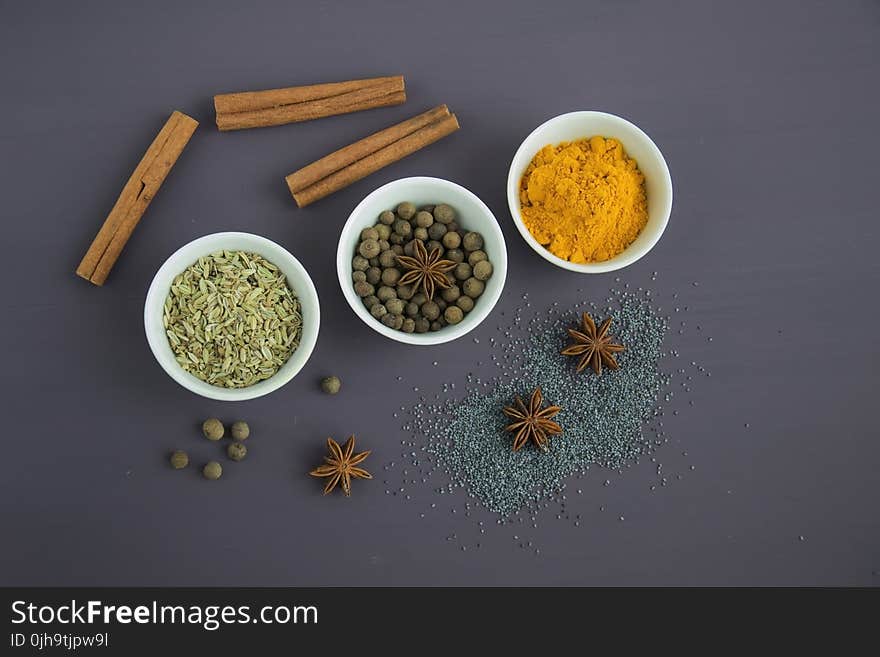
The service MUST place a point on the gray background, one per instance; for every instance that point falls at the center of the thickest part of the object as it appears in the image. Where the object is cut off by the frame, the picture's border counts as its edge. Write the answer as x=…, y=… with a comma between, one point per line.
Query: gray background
x=766, y=113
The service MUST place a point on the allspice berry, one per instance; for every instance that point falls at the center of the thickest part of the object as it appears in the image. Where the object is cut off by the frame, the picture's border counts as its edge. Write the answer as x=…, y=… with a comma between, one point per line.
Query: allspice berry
x=331, y=384
x=240, y=430
x=406, y=210
x=483, y=270
x=212, y=470
x=465, y=303
x=473, y=287
x=236, y=451
x=431, y=310
x=443, y=213
x=369, y=248
x=363, y=288
x=451, y=240
x=473, y=241
x=369, y=234
x=212, y=428
x=424, y=219
x=179, y=459
x=453, y=314
x=476, y=256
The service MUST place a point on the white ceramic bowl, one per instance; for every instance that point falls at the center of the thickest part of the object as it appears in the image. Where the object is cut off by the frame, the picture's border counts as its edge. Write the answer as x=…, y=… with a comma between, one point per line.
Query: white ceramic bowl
x=578, y=125
x=473, y=215
x=297, y=278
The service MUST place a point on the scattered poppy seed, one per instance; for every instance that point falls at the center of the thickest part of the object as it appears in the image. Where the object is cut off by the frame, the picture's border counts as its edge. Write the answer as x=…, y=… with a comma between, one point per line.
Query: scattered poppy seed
x=602, y=416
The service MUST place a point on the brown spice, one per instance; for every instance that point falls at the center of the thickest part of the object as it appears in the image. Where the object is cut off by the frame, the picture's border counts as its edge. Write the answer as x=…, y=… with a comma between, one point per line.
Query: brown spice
x=341, y=466
x=426, y=270
x=532, y=422
x=316, y=171
x=593, y=346
x=135, y=197
x=341, y=168
x=257, y=109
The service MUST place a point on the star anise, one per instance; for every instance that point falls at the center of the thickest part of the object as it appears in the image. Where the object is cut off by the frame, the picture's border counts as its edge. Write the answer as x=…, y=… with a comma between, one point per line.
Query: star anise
x=341, y=466
x=593, y=346
x=425, y=269
x=532, y=422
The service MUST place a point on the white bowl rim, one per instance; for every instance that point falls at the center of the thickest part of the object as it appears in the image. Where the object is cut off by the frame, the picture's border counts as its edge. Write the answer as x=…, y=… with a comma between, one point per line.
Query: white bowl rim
x=628, y=255
x=280, y=378
x=448, y=333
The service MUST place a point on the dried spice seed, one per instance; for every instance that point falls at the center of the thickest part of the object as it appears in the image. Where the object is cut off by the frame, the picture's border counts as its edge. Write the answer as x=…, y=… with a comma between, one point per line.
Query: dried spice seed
x=406, y=210
x=391, y=276
x=236, y=451
x=483, y=270
x=472, y=241
x=473, y=287
x=532, y=422
x=240, y=430
x=607, y=419
x=179, y=459
x=465, y=303
x=231, y=319
x=414, y=266
x=395, y=306
x=341, y=466
x=369, y=248
x=437, y=231
x=424, y=219
x=386, y=292
x=425, y=269
x=363, y=289
x=387, y=258
x=463, y=271
x=213, y=429
x=212, y=470
x=331, y=384
x=476, y=256
x=450, y=294
x=451, y=240
x=453, y=314
x=444, y=213
x=593, y=345
x=430, y=310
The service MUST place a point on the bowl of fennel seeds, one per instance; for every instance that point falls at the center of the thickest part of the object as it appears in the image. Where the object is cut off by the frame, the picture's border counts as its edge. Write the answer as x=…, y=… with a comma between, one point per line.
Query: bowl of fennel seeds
x=232, y=316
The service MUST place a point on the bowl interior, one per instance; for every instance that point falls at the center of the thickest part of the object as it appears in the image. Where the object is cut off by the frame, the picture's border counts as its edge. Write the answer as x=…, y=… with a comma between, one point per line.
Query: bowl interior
x=297, y=278
x=578, y=125
x=473, y=215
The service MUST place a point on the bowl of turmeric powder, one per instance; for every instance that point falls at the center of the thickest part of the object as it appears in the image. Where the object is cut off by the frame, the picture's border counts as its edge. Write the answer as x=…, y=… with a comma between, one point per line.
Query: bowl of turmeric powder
x=589, y=192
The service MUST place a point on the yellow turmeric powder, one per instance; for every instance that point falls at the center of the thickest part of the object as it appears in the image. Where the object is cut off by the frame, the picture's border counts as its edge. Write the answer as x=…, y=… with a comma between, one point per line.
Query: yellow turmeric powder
x=584, y=200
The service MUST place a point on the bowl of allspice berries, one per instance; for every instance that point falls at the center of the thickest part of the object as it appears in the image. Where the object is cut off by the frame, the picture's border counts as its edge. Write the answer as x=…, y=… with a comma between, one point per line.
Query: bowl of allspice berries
x=422, y=260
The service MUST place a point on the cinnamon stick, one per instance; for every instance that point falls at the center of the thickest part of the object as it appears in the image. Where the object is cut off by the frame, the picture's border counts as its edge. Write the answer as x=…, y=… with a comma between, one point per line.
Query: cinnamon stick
x=259, y=109
x=135, y=197
x=340, y=159
x=370, y=163
x=256, y=100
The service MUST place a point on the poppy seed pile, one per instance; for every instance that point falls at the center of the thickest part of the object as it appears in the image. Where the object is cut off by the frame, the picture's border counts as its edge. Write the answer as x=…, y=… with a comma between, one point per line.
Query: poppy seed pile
x=602, y=417
x=418, y=270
